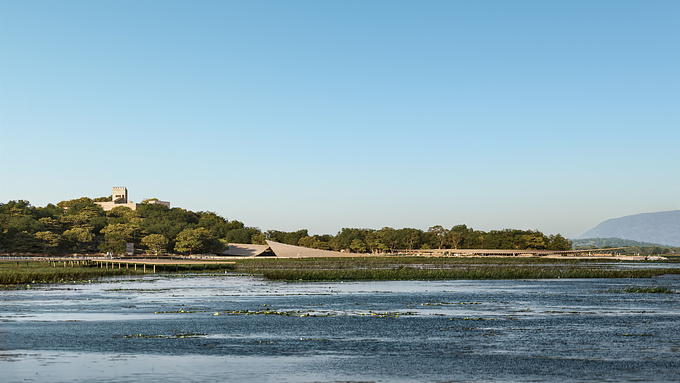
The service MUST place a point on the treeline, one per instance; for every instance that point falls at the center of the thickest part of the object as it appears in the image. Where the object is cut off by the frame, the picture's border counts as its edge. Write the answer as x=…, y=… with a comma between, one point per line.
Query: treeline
x=81, y=226
x=389, y=240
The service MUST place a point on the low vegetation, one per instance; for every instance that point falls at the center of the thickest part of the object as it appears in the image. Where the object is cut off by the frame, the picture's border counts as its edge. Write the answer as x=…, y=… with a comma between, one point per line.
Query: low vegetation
x=348, y=269
x=27, y=272
x=415, y=268
x=649, y=289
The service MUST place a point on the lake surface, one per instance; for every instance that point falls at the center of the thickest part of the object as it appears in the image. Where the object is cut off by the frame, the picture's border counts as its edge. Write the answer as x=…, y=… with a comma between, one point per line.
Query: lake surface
x=239, y=328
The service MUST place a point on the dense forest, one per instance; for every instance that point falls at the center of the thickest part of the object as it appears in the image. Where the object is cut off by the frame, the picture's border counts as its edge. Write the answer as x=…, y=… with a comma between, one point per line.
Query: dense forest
x=81, y=226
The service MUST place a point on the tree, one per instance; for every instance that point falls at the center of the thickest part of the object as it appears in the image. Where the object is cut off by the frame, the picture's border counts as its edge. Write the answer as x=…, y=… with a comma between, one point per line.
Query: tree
x=22, y=242
x=440, y=234
x=84, y=214
x=534, y=240
x=198, y=240
x=558, y=242
x=306, y=241
x=50, y=224
x=122, y=212
x=411, y=238
x=79, y=239
x=48, y=240
x=127, y=232
x=156, y=243
x=358, y=246
x=457, y=235
x=258, y=238
x=114, y=243
x=389, y=238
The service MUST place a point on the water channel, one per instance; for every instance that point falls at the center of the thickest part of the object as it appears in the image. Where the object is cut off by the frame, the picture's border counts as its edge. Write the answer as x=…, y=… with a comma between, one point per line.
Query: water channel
x=241, y=328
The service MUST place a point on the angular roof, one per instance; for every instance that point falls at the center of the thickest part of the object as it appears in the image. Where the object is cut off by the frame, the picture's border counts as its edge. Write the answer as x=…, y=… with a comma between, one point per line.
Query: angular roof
x=289, y=251
x=245, y=250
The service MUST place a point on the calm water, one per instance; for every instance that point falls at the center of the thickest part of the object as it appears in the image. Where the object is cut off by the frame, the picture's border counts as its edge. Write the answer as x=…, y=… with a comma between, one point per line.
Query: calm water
x=165, y=329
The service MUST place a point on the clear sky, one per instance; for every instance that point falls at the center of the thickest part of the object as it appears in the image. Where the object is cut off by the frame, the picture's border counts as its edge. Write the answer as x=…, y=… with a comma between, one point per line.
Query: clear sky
x=548, y=115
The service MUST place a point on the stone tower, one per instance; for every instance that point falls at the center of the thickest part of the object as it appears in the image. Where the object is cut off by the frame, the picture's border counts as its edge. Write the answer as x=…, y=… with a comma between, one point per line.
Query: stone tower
x=119, y=195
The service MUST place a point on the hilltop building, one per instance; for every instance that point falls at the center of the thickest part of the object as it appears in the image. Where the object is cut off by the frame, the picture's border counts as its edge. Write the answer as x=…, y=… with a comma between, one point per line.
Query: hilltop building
x=119, y=197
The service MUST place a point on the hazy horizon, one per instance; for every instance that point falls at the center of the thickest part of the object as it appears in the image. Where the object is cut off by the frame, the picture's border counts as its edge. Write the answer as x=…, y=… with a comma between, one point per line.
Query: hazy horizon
x=552, y=116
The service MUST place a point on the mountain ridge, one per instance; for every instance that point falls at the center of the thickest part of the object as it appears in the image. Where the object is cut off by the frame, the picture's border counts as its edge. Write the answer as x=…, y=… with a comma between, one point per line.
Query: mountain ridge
x=659, y=227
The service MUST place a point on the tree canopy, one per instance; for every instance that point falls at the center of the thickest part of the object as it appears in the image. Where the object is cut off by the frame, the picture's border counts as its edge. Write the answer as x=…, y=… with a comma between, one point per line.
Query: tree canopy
x=80, y=225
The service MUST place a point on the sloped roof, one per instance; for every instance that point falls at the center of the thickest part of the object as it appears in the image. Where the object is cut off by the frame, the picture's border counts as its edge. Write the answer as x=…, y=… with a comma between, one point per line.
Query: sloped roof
x=289, y=251
x=245, y=250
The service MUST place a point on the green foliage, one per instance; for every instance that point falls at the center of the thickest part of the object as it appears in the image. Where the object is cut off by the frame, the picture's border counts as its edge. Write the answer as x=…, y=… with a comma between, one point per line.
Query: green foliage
x=127, y=232
x=20, y=222
x=44, y=272
x=257, y=239
x=358, y=246
x=649, y=290
x=78, y=239
x=404, y=268
x=114, y=243
x=49, y=240
x=198, y=240
x=290, y=238
x=440, y=235
x=156, y=243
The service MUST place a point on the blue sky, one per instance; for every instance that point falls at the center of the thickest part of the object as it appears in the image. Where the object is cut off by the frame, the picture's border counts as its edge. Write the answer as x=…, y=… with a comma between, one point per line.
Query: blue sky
x=548, y=115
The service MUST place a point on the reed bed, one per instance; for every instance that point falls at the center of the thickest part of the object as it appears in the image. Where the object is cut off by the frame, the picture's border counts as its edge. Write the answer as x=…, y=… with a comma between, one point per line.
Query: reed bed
x=417, y=268
x=43, y=272
x=476, y=273
x=390, y=261
x=26, y=272
x=352, y=269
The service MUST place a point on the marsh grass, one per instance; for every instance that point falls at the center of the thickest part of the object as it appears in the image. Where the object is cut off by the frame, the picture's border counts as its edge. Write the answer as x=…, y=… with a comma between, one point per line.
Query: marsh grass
x=27, y=272
x=359, y=262
x=351, y=269
x=418, y=268
x=12, y=273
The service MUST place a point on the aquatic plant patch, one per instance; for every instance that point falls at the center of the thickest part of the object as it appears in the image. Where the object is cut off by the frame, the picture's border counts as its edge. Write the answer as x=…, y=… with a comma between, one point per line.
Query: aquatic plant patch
x=649, y=290
x=177, y=336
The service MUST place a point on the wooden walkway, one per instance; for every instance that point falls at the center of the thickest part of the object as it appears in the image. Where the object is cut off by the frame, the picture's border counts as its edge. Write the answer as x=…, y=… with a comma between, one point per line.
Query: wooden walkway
x=162, y=264
x=152, y=263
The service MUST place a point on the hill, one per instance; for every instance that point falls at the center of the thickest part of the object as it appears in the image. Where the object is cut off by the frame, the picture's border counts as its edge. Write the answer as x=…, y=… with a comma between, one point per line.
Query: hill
x=660, y=228
x=596, y=243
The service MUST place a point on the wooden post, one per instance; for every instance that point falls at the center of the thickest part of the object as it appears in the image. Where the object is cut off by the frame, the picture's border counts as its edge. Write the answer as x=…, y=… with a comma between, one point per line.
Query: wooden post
x=154, y=269
x=135, y=267
x=145, y=267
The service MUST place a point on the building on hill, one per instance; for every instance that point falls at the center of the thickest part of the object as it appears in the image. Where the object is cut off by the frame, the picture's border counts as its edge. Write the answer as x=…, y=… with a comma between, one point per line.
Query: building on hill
x=119, y=197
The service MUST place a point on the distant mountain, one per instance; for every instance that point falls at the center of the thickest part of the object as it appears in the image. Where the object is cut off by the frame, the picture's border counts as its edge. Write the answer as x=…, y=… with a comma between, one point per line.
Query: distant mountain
x=596, y=243
x=662, y=228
